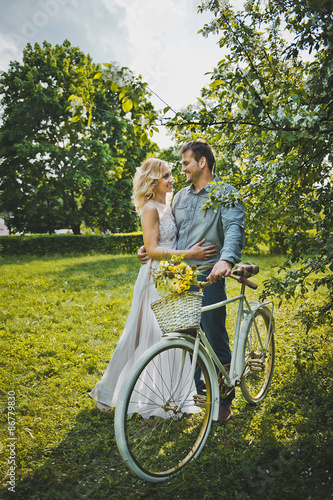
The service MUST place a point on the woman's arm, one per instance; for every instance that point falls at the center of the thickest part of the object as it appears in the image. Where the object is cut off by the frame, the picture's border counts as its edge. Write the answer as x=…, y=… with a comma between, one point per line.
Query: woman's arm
x=150, y=229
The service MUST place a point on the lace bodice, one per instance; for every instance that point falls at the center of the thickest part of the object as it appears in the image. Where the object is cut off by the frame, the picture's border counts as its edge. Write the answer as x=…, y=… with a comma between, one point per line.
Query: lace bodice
x=168, y=229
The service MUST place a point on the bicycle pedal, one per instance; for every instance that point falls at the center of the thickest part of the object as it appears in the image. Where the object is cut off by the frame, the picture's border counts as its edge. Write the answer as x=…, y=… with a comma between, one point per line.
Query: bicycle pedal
x=256, y=365
x=199, y=400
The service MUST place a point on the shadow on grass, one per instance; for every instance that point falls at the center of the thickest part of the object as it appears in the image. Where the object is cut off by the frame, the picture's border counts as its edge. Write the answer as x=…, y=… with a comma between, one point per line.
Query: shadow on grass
x=81, y=272
x=7, y=260
x=242, y=460
x=101, y=274
x=87, y=464
x=26, y=259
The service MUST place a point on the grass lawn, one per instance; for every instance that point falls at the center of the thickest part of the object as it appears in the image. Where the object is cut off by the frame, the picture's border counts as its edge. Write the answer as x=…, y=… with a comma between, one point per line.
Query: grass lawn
x=60, y=321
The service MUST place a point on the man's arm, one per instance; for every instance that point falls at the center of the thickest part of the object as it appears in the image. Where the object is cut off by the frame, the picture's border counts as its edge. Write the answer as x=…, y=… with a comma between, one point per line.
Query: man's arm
x=221, y=269
x=233, y=222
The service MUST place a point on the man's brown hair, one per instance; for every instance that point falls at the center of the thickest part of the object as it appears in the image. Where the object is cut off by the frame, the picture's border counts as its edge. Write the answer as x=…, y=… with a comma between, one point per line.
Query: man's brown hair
x=200, y=149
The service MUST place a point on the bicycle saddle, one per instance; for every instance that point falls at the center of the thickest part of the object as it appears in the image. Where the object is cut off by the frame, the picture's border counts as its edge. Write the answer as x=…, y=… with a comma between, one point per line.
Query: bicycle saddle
x=245, y=269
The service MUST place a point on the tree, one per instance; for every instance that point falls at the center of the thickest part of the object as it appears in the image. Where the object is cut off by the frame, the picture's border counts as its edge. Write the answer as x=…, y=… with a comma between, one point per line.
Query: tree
x=57, y=171
x=269, y=114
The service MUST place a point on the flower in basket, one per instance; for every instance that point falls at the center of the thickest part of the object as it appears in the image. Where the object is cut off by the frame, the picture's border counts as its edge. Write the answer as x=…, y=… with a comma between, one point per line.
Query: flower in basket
x=174, y=276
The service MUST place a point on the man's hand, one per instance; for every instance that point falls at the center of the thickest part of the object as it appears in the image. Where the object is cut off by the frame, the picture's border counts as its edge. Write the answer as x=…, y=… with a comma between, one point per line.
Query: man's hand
x=142, y=255
x=221, y=268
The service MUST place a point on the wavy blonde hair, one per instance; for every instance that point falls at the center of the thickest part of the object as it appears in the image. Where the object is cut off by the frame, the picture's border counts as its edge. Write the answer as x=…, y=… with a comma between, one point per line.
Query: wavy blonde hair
x=145, y=180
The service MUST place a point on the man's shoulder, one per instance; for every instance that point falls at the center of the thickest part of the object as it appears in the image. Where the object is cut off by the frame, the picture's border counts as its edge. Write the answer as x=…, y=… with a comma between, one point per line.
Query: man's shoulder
x=224, y=186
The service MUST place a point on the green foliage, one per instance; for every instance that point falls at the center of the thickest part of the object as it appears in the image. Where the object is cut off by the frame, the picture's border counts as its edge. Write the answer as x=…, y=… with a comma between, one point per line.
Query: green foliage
x=268, y=115
x=67, y=243
x=58, y=171
x=130, y=90
x=61, y=320
x=218, y=197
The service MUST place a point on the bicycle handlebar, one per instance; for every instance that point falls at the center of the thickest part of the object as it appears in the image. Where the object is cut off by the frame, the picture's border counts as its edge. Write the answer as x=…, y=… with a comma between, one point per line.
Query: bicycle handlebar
x=240, y=279
x=244, y=281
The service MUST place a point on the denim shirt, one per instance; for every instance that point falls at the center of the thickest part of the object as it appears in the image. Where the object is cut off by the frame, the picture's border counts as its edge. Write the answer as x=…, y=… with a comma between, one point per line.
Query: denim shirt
x=223, y=228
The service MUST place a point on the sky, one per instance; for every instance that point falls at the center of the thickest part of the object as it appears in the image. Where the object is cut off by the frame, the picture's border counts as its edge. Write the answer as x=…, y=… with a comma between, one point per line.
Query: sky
x=157, y=39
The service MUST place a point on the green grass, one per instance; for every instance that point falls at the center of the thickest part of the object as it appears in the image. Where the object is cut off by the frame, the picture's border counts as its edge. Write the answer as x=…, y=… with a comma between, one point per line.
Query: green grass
x=61, y=318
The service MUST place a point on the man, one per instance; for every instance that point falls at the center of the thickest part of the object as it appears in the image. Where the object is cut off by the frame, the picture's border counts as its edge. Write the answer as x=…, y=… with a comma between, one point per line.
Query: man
x=223, y=228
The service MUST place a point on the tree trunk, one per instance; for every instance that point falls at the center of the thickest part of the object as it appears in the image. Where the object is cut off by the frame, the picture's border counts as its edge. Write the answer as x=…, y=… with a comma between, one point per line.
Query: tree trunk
x=76, y=228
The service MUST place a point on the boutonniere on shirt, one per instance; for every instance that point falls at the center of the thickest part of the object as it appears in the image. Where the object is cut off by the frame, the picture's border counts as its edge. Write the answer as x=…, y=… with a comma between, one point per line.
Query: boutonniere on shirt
x=219, y=197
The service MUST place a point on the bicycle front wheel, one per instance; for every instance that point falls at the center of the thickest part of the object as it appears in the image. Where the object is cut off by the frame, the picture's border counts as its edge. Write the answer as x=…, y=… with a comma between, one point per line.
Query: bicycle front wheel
x=154, y=435
x=259, y=355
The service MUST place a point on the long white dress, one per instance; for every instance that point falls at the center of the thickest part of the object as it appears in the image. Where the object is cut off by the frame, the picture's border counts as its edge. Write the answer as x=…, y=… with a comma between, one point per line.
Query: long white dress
x=141, y=330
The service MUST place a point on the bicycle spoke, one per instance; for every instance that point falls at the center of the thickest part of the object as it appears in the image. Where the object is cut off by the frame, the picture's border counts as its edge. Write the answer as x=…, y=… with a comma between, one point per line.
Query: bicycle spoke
x=164, y=442
x=258, y=356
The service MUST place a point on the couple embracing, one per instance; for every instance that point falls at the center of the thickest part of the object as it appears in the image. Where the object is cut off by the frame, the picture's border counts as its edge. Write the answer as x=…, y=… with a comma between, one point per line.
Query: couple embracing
x=210, y=239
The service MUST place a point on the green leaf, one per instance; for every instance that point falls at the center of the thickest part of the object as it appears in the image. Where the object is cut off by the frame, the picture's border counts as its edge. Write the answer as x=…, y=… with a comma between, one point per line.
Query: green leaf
x=127, y=105
x=240, y=89
x=217, y=83
x=98, y=75
x=143, y=138
x=75, y=119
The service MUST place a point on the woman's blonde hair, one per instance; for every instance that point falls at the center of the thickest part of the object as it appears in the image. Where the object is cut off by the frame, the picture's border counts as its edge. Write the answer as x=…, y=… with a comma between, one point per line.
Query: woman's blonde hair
x=145, y=180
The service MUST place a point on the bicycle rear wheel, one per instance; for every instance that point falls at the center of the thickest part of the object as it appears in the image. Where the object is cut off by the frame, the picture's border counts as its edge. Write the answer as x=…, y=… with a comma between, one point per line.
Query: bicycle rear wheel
x=154, y=437
x=259, y=355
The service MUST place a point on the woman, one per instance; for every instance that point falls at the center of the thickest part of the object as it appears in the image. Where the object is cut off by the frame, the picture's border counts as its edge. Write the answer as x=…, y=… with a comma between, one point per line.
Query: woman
x=151, y=186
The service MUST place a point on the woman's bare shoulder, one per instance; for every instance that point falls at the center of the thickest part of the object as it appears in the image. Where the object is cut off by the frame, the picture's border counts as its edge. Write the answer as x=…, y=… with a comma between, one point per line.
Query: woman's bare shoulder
x=149, y=210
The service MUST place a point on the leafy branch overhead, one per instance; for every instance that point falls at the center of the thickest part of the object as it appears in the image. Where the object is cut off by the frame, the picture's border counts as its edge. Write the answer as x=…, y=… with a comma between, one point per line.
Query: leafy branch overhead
x=218, y=197
x=268, y=112
x=130, y=91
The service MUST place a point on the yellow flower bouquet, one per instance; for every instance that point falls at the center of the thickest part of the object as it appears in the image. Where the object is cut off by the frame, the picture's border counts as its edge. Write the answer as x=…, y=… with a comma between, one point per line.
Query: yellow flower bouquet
x=174, y=276
x=179, y=310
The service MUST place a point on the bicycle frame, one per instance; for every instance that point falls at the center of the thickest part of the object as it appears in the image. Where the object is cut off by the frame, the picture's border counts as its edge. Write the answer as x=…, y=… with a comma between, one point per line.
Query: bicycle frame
x=159, y=379
x=236, y=365
x=231, y=379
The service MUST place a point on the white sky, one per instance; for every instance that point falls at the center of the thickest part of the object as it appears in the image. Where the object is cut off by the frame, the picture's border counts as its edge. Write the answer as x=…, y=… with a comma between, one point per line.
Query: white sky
x=155, y=38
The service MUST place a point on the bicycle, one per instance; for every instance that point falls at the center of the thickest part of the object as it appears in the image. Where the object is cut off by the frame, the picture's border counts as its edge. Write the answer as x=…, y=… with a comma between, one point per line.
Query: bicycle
x=161, y=383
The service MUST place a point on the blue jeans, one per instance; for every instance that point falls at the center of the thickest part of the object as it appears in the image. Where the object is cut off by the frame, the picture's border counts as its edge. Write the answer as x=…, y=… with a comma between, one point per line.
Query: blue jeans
x=213, y=324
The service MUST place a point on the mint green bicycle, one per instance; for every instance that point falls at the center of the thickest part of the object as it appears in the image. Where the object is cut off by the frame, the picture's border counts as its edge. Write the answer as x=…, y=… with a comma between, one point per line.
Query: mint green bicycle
x=161, y=424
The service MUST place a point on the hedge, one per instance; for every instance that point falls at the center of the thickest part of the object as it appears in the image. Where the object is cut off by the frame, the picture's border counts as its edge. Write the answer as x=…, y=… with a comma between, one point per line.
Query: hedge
x=70, y=243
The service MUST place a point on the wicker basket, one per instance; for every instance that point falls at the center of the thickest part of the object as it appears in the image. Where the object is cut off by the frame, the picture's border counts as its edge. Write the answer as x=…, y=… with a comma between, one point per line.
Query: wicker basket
x=179, y=313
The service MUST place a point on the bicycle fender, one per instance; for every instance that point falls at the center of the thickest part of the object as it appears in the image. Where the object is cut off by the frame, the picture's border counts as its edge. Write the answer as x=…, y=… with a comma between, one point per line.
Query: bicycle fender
x=255, y=306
